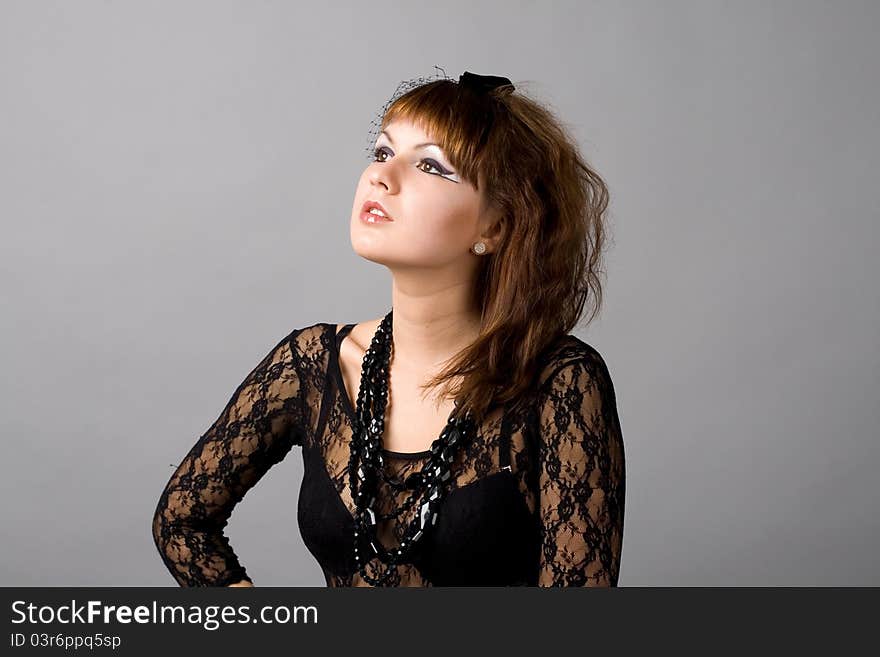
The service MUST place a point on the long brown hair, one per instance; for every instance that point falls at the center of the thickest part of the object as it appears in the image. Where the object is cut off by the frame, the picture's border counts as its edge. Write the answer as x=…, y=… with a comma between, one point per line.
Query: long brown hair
x=534, y=287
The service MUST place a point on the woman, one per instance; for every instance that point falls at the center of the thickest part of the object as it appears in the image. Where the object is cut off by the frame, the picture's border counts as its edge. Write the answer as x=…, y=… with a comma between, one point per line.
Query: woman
x=465, y=438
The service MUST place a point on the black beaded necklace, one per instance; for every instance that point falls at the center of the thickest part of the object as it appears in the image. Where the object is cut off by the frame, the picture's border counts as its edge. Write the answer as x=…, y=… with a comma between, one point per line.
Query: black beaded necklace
x=366, y=465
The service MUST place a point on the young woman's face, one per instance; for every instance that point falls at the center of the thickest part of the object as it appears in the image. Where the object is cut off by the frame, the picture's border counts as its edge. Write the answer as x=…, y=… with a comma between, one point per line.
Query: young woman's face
x=435, y=214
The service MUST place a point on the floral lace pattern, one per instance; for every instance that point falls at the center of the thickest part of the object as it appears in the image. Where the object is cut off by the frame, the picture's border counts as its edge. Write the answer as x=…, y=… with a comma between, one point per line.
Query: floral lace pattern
x=564, y=452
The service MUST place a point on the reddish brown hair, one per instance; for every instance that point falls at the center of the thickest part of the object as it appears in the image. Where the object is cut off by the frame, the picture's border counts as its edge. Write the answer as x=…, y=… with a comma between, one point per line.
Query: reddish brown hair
x=533, y=289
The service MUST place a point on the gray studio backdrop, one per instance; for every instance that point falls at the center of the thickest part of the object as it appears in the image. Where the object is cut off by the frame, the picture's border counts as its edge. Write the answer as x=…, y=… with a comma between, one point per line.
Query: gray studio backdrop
x=176, y=181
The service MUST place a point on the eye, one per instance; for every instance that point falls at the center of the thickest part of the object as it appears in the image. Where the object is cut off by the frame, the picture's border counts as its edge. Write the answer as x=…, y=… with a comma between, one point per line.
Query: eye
x=432, y=164
x=377, y=153
x=441, y=171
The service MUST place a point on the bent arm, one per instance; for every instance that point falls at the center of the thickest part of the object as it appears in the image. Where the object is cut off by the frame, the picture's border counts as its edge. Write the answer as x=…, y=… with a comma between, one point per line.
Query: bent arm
x=256, y=429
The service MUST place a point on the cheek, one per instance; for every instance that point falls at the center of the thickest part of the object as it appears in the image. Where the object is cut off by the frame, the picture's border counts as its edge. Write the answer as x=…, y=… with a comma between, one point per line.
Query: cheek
x=438, y=208
x=442, y=224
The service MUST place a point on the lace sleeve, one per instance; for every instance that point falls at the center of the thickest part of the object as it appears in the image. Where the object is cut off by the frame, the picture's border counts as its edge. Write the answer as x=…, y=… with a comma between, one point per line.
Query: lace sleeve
x=581, y=477
x=257, y=428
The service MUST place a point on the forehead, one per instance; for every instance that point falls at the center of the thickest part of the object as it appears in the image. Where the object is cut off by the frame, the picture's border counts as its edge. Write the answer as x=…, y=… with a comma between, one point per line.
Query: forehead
x=404, y=129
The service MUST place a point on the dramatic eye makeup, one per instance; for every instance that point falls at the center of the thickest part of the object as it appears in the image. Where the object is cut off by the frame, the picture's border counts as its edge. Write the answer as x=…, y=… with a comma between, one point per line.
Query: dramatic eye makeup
x=441, y=170
x=430, y=164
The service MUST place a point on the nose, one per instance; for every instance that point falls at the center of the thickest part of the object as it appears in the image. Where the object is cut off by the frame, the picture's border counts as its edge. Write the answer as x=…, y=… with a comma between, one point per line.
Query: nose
x=378, y=178
x=384, y=175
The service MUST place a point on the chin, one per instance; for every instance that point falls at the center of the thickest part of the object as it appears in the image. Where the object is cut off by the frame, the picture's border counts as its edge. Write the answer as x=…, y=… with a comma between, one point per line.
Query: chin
x=368, y=249
x=377, y=259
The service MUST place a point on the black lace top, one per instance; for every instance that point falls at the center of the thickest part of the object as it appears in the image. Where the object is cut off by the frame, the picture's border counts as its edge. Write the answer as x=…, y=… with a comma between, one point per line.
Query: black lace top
x=536, y=499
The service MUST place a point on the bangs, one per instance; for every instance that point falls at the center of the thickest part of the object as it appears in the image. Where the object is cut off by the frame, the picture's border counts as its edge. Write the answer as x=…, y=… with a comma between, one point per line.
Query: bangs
x=457, y=119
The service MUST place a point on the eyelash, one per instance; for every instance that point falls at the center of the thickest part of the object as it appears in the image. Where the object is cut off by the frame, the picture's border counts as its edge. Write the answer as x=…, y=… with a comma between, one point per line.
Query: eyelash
x=442, y=172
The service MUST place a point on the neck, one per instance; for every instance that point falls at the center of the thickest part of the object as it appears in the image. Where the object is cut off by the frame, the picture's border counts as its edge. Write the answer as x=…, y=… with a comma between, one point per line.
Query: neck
x=432, y=321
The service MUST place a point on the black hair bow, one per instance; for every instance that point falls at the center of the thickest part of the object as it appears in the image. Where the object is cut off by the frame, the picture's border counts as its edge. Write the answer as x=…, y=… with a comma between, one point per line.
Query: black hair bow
x=483, y=83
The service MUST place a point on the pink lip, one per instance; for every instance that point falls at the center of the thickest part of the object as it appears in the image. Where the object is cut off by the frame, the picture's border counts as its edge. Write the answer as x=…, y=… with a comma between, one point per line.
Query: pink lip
x=365, y=208
x=373, y=219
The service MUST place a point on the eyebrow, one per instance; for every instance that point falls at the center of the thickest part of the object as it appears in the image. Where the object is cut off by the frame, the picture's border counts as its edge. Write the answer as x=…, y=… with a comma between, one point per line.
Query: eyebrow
x=422, y=145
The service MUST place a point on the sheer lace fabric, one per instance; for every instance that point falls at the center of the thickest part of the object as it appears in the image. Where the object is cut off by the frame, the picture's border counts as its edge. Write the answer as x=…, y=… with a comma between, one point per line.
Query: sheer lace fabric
x=537, y=498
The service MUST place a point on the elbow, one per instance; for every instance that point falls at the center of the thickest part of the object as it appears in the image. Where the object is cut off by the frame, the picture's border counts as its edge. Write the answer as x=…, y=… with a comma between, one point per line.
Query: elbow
x=162, y=539
x=157, y=529
x=161, y=530
x=168, y=526
x=168, y=539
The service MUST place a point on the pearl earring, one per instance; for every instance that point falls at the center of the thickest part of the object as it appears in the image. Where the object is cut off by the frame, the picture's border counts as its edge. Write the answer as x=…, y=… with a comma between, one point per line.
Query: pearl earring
x=479, y=248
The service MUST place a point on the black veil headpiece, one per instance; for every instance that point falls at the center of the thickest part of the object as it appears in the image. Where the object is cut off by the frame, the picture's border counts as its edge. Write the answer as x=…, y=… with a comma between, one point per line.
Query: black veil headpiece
x=482, y=84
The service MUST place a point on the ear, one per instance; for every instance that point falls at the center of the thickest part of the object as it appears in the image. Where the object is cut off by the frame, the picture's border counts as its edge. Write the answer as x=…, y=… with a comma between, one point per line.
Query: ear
x=492, y=228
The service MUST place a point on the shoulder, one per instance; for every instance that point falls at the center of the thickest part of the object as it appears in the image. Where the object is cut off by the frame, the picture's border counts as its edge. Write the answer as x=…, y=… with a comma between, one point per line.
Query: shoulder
x=311, y=343
x=571, y=361
x=577, y=384
x=301, y=344
x=317, y=339
x=306, y=338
